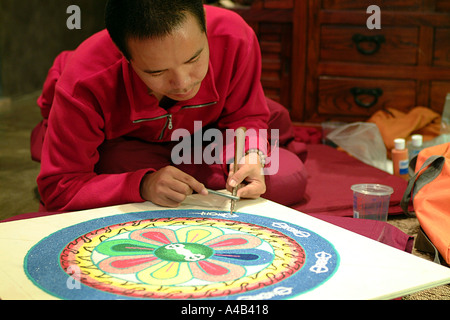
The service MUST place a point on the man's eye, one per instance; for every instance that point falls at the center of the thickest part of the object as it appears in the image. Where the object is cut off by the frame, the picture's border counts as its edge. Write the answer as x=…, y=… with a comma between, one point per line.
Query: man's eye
x=156, y=74
x=195, y=60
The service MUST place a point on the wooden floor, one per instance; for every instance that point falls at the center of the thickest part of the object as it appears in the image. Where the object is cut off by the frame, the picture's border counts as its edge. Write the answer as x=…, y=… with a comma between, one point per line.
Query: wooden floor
x=17, y=171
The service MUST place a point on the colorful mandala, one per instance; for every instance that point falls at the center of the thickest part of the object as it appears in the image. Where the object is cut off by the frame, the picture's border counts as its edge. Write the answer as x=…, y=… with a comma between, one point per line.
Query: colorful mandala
x=174, y=254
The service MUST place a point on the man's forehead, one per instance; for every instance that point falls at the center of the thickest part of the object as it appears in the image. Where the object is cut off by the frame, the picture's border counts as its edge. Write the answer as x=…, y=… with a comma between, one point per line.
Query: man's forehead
x=186, y=37
x=153, y=57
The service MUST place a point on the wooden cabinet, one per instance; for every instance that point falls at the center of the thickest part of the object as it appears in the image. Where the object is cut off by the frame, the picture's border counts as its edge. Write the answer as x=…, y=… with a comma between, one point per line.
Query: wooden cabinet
x=273, y=23
x=354, y=71
x=322, y=62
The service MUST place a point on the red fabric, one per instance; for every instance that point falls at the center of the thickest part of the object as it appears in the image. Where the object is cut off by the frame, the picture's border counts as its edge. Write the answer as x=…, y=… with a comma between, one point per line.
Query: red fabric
x=37, y=140
x=331, y=173
x=308, y=135
x=376, y=230
x=98, y=96
x=288, y=134
x=45, y=102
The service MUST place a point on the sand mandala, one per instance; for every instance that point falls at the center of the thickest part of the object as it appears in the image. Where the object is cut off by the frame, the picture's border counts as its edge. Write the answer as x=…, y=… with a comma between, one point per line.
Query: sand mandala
x=181, y=254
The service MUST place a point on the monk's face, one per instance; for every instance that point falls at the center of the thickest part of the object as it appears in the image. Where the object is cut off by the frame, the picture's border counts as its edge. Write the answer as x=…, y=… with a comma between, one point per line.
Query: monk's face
x=174, y=65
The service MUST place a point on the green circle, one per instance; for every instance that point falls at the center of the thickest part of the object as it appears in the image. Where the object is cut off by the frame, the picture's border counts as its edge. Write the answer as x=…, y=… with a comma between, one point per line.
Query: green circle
x=184, y=252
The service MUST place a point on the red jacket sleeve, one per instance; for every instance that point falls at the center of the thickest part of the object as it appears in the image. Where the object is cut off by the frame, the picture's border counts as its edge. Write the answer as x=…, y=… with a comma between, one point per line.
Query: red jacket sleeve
x=67, y=181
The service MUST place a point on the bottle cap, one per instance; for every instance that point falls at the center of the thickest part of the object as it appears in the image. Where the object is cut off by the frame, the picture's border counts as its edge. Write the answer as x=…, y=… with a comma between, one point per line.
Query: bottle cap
x=399, y=144
x=416, y=140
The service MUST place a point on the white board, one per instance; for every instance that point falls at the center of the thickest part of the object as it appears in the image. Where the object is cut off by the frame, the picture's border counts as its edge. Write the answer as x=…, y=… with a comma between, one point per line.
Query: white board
x=366, y=270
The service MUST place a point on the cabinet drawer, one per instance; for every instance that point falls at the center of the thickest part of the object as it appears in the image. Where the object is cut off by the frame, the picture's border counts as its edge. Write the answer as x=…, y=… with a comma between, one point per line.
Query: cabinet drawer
x=439, y=90
x=442, y=6
x=441, y=56
x=358, y=44
x=392, y=5
x=274, y=4
x=353, y=97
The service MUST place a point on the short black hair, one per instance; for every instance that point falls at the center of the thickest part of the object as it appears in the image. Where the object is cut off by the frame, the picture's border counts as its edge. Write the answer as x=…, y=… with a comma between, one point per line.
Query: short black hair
x=144, y=19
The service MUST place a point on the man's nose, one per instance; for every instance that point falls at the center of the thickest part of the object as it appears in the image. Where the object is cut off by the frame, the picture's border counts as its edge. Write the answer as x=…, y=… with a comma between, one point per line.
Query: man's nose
x=180, y=80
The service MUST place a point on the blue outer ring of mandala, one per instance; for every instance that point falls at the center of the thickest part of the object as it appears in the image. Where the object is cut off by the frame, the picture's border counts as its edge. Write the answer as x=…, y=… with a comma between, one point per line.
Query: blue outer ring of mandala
x=43, y=268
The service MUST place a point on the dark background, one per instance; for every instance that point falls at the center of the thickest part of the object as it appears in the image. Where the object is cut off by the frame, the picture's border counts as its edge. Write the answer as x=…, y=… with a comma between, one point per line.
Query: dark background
x=33, y=32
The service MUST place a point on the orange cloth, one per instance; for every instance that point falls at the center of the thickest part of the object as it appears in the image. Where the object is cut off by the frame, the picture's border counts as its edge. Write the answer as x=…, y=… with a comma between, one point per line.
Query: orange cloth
x=394, y=124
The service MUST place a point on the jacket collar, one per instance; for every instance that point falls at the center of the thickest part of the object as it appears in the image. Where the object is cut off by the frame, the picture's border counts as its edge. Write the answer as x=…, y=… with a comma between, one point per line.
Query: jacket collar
x=145, y=106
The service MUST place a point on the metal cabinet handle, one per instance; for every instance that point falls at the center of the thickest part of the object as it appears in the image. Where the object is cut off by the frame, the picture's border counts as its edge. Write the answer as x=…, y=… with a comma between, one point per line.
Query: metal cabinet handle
x=377, y=40
x=375, y=93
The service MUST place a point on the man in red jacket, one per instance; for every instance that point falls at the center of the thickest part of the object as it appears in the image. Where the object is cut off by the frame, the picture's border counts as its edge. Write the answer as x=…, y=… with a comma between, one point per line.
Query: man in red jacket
x=116, y=101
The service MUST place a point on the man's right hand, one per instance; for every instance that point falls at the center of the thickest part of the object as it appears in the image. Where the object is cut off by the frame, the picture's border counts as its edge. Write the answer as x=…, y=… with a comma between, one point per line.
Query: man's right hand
x=169, y=187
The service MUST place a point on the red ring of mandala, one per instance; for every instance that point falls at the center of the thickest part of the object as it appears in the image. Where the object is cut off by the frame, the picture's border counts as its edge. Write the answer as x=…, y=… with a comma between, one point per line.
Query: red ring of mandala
x=69, y=258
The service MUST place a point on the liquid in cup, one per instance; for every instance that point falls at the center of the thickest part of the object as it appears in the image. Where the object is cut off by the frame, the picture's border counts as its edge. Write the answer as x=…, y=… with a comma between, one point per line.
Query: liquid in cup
x=371, y=201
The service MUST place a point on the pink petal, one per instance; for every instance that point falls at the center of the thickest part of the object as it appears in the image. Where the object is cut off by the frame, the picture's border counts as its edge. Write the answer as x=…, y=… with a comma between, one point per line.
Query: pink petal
x=156, y=236
x=128, y=263
x=212, y=268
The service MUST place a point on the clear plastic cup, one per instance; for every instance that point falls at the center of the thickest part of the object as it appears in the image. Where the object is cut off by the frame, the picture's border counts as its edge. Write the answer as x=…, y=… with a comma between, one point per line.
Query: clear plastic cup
x=371, y=201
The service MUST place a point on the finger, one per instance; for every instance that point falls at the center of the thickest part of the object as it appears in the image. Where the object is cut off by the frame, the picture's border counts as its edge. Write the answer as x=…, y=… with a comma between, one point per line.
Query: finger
x=254, y=181
x=234, y=179
x=174, y=198
x=169, y=182
x=168, y=187
x=165, y=200
x=252, y=190
x=170, y=203
x=192, y=184
x=181, y=187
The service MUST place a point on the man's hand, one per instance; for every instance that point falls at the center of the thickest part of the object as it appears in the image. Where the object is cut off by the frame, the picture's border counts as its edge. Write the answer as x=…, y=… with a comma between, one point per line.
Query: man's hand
x=249, y=171
x=169, y=187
